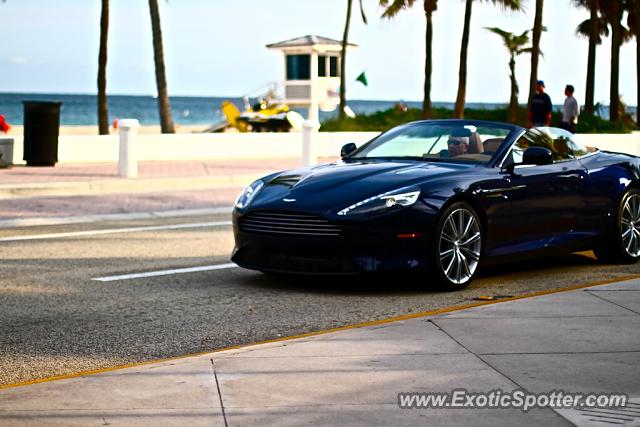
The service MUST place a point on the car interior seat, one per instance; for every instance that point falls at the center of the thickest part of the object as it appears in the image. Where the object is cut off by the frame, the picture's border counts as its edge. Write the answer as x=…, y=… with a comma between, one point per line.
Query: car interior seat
x=491, y=145
x=475, y=144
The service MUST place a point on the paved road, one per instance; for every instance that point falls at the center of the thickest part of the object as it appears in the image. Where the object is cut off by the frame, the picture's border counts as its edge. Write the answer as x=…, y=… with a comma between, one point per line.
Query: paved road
x=55, y=319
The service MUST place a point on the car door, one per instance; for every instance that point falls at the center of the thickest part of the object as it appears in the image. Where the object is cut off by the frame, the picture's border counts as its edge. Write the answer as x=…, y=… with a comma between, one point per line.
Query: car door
x=545, y=199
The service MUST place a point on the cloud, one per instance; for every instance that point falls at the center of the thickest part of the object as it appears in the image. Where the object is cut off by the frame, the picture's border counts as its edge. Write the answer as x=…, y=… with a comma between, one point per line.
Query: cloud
x=17, y=60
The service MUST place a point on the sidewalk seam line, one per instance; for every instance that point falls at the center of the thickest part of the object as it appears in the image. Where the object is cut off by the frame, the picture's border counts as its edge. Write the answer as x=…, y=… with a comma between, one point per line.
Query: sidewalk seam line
x=401, y=318
x=610, y=302
x=477, y=356
x=485, y=362
x=215, y=377
x=557, y=414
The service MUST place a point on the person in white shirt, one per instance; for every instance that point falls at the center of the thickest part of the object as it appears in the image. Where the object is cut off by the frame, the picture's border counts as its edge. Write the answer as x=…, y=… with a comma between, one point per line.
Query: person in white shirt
x=570, y=111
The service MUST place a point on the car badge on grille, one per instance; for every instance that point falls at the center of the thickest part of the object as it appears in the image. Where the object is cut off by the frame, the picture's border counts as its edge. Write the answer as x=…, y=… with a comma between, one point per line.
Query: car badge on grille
x=289, y=200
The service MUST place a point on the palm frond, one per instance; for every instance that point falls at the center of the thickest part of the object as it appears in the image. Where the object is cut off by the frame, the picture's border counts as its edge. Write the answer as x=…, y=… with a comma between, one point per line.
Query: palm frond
x=526, y=50
x=516, y=5
x=502, y=33
x=584, y=29
x=515, y=44
x=364, y=16
x=393, y=7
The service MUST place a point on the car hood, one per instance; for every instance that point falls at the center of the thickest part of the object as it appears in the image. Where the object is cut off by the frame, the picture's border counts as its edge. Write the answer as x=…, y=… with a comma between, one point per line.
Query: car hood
x=329, y=186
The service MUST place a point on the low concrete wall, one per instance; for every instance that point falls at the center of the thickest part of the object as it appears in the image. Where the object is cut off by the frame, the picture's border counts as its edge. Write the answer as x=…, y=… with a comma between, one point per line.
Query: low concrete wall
x=94, y=148
x=623, y=143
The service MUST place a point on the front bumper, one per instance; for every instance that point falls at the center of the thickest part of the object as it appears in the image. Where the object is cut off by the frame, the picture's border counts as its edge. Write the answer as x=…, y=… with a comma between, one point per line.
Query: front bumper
x=363, y=246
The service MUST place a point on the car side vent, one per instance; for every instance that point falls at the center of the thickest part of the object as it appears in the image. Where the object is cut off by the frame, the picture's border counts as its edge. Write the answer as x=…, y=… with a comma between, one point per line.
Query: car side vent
x=288, y=224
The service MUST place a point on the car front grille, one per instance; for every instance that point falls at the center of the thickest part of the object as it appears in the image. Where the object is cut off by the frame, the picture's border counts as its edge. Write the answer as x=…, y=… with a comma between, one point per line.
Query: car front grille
x=288, y=224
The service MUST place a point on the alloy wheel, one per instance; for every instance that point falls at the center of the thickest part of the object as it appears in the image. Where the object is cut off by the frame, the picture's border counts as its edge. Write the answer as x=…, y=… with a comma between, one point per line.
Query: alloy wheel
x=630, y=225
x=460, y=246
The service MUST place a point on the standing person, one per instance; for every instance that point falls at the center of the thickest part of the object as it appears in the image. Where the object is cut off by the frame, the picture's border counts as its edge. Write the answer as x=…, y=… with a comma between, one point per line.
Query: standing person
x=541, y=107
x=570, y=111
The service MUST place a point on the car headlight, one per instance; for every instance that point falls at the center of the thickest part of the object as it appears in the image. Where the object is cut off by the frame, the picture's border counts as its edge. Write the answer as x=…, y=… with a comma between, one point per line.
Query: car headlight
x=401, y=197
x=248, y=194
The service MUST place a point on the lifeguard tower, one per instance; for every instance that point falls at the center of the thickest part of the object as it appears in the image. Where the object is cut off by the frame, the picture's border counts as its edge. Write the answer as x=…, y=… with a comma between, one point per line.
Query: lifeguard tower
x=312, y=72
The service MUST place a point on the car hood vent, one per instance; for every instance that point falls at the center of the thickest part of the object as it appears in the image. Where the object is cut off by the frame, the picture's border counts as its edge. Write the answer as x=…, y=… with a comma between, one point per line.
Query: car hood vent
x=287, y=180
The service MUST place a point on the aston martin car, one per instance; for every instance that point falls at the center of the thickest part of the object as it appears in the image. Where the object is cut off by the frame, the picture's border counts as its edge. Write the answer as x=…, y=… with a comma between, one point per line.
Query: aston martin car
x=442, y=198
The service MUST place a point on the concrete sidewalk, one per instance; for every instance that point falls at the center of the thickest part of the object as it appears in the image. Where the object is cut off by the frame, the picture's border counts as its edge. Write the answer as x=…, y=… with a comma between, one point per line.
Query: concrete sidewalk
x=48, y=195
x=102, y=178
x=585, y=341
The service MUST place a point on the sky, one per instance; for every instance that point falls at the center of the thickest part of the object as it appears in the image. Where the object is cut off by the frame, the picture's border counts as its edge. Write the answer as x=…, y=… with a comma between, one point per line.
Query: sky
x=217, y=48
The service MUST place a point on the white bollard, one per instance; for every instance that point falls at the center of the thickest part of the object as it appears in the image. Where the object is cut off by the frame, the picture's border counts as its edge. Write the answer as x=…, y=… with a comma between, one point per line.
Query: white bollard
x=127, y=160
x=309, y=143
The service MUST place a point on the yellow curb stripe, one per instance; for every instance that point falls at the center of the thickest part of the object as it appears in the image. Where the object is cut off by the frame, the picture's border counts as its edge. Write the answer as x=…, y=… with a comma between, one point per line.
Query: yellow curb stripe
x=325, y=331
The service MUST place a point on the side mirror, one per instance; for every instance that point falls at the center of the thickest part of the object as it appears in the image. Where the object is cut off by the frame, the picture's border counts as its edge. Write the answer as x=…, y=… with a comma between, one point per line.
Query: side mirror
x=348, y=149
x=537, y=156
x=509, y=168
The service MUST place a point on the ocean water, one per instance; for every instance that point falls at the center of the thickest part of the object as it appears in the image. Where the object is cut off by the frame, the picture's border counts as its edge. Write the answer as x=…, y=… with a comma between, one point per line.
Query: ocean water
x=82, y=109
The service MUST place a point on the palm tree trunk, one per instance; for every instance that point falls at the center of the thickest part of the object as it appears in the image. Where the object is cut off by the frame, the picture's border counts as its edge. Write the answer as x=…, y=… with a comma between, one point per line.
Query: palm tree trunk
x=343, y=62
x=166, y=120
x=637, y=13
x=513, y=102
x=458, y=111
x=426, y=103
x=589, y=105
x=535, y=49
x=103, y=113
x=616, y=42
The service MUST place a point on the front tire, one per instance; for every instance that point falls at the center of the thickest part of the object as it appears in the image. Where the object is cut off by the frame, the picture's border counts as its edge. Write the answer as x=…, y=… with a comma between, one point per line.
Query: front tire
x=622, y=244
x=457, y=246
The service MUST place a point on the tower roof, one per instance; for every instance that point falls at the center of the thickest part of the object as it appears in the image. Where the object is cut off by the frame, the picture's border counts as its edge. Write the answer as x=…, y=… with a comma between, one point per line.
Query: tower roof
x=309, y=40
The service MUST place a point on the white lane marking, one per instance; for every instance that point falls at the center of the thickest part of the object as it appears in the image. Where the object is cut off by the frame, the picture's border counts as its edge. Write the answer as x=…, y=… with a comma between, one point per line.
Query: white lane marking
x=115, y=230
x=32, y=222
x=165, y=272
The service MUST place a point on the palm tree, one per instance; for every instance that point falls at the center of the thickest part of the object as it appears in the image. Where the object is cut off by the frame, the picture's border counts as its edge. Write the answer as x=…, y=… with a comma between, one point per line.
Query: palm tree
x=516, y=45
x=633, y=21
x=538, y=27
x=343, y=57
x=458, y=111
x=594, y=28
x=614, y=16
x=166, y=120
x=430, y=6
x=103, y=113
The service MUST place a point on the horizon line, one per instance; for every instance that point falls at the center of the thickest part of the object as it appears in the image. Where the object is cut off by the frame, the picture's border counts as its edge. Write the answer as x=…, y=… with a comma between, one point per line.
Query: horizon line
x=47, y=93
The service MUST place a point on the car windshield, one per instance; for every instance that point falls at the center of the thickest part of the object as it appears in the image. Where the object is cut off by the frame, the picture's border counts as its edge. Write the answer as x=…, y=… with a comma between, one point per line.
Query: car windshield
x=562, y=144
x=455, y=141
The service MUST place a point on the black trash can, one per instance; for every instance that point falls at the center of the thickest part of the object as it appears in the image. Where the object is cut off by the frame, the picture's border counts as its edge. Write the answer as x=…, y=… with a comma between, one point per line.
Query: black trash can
x=41, y=131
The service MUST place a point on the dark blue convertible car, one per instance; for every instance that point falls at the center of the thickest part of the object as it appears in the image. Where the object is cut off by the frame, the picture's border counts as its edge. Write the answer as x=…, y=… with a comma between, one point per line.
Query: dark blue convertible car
x=442, y=197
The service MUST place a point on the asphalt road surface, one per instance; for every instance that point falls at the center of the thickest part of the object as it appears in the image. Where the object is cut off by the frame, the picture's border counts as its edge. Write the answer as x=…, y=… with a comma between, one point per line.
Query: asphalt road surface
x=55, y=318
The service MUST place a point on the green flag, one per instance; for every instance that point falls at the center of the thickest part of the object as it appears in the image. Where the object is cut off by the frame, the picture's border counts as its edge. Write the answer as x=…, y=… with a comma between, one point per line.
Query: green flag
x=362, y=78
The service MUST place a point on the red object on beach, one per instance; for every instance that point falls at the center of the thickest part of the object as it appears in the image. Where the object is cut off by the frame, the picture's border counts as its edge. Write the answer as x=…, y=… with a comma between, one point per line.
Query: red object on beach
x=115, y=123
x=4, y=126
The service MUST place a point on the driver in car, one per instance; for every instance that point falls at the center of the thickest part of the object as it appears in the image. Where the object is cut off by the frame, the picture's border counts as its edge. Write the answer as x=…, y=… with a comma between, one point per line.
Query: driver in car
x=457, y=145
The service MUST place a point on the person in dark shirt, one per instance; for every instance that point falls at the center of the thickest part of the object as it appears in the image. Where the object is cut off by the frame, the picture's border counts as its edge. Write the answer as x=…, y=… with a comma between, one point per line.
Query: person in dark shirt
x=541, y=107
